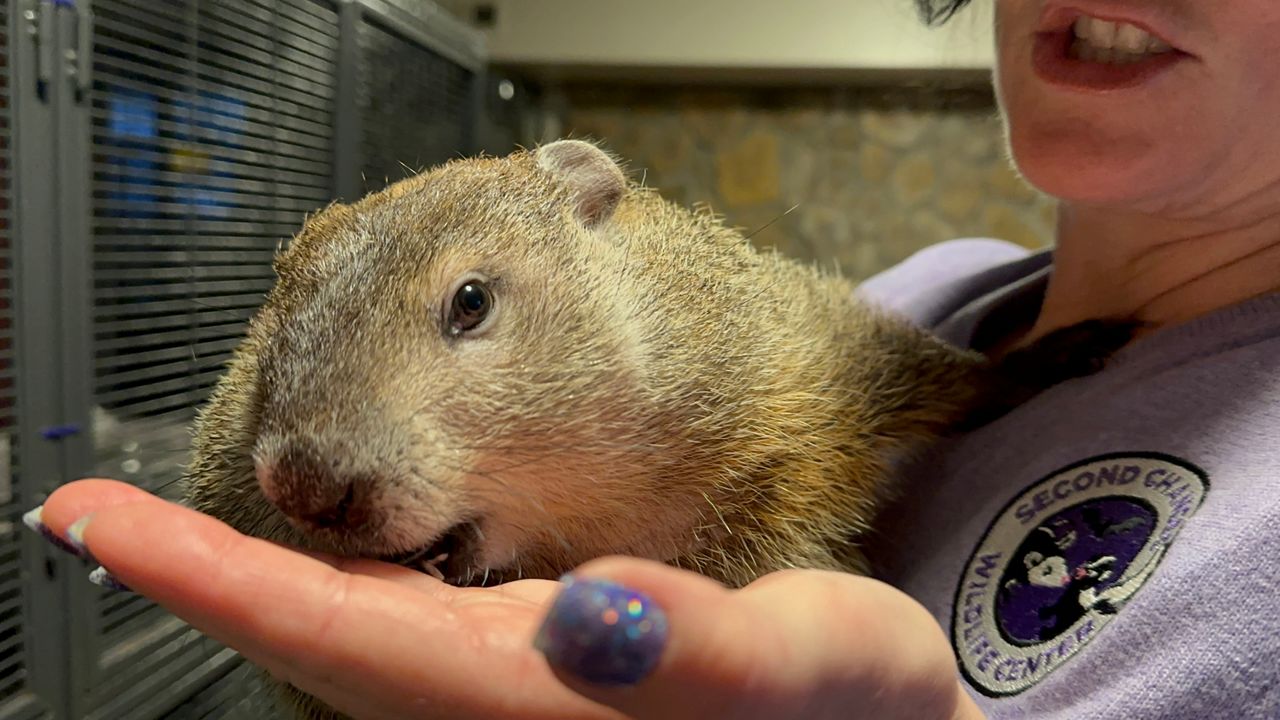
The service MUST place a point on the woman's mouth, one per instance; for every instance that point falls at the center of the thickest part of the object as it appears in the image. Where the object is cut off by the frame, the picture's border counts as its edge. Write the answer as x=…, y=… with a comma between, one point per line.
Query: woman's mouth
x=1083, y=52
x=1113, y=43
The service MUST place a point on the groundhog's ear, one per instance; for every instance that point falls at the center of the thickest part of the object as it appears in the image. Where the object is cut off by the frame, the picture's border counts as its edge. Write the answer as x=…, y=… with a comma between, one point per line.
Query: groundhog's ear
x=596, y=181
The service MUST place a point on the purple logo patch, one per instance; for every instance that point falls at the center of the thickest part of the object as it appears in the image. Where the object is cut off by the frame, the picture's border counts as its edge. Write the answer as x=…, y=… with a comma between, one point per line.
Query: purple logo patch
x=1062, y=560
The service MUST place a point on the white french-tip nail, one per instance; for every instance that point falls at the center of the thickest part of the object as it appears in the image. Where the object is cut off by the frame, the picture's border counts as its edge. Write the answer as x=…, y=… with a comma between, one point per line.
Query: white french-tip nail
x=75, y=533
x=102, y=578
x=34, y=519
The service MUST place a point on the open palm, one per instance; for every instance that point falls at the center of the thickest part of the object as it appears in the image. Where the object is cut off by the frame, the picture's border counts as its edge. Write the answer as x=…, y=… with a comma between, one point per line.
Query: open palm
x=377, y=641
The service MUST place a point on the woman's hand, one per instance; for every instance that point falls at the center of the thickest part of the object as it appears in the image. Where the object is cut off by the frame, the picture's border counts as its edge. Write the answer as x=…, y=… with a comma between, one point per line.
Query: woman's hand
x=380, y=641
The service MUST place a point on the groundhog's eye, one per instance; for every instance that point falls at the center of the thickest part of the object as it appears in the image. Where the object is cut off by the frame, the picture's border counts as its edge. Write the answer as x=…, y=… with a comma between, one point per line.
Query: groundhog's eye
x=471, y=304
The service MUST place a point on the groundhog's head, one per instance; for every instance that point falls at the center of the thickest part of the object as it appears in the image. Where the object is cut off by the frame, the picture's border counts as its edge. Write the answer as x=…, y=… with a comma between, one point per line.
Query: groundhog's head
x=447, y=368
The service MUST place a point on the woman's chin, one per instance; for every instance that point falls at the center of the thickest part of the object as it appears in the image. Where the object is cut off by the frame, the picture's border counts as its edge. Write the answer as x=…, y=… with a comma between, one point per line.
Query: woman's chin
x=1073, y=176
x=1085, y=189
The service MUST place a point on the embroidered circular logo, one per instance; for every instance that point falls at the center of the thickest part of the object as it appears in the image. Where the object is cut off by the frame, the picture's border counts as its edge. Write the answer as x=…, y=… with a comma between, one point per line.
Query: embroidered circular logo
x=1061, y=560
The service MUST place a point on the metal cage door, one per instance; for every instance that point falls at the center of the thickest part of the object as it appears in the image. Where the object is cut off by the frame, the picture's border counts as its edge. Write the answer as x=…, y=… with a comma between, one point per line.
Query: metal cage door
x=153, y=157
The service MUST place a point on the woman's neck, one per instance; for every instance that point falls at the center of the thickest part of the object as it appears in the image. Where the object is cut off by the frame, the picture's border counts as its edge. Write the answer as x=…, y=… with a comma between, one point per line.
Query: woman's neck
x=1159, y=272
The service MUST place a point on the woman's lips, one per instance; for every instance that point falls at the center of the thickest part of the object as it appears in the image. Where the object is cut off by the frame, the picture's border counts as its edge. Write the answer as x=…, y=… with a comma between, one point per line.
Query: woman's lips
x=1053, y=63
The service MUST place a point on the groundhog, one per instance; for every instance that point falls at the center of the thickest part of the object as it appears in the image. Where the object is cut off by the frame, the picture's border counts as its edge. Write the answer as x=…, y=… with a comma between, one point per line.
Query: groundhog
x=502, y=368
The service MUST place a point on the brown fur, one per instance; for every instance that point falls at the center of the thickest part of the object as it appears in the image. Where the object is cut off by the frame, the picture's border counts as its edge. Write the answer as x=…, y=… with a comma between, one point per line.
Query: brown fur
x=651, y=385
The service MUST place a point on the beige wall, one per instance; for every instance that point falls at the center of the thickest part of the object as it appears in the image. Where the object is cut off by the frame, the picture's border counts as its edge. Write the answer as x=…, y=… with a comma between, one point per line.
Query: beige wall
x=795, y=36
x=874, y=174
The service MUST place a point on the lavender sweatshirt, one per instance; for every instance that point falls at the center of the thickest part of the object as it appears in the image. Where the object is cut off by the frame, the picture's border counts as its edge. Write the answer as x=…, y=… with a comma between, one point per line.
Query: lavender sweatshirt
x=1111, y=549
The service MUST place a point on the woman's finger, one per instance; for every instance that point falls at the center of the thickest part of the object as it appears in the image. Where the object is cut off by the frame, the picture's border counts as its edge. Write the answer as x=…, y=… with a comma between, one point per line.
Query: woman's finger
x=874, y=645
x=657, y=642
x=76, y=500
x=448, y=654
x=82, y=498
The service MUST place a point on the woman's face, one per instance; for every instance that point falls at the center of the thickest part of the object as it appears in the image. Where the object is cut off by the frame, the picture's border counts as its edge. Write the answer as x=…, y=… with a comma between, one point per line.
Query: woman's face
x=1185, y=131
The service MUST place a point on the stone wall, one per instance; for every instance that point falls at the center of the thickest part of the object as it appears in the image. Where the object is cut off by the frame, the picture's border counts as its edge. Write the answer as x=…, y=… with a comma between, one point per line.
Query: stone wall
x=872, y=174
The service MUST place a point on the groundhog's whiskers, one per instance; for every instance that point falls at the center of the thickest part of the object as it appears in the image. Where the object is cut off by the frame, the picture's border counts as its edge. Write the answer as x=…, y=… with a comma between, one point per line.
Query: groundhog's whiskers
x=244, y=314
x=764, y=227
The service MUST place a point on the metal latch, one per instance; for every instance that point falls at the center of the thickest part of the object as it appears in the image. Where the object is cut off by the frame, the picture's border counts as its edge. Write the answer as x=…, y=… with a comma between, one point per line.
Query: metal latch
x=79, y=60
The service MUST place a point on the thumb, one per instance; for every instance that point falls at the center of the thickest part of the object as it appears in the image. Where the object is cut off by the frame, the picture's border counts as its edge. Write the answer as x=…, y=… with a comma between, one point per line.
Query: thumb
x=653, y=641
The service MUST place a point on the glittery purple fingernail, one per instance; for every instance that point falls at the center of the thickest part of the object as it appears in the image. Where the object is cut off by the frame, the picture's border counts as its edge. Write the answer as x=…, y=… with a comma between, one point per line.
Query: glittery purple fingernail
x=603, y=633
x=33, y=520
x=103, y=578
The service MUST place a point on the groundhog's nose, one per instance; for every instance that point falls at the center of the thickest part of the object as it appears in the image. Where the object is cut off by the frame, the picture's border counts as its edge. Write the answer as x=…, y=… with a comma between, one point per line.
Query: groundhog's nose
x=312, y=492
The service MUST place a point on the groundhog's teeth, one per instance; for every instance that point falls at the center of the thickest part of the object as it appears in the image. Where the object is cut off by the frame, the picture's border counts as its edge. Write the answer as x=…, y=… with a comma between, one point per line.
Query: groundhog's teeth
x=431, y=567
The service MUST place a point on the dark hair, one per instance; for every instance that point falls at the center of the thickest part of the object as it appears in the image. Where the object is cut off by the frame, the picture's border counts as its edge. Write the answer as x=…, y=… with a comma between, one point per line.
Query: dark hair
x=936, y=12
